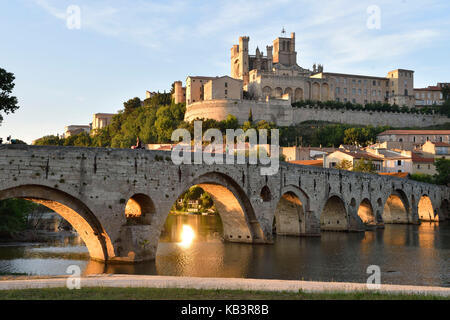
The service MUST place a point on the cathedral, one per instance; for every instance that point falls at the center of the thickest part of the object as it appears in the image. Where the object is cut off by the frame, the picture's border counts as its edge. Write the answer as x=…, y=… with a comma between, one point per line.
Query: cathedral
x=268, y=84
x=277, y=74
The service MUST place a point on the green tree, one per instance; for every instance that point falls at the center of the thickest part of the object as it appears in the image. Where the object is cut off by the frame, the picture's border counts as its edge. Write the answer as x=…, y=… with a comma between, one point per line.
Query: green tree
x=8, y=103
x=344, y=165
x=427, y=178
x=364, y=166
x=13, y=215
x=132, y=104
x=49, y=141
x=206, y=201
x=443, y=171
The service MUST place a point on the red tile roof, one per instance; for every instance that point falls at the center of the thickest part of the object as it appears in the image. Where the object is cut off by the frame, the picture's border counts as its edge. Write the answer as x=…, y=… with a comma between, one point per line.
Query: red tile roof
x=430, y=88
x=418, y=158
x=441, y=144
x=361, y=155
x=441, y=132
x=317, y=163
x=395, y=174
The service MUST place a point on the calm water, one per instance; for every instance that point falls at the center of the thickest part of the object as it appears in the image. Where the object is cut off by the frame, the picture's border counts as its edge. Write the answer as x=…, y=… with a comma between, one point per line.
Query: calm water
x=406, y=254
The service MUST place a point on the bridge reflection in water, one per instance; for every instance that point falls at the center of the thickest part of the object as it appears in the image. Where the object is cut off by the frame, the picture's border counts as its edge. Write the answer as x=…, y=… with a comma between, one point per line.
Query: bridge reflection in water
x=407, y=254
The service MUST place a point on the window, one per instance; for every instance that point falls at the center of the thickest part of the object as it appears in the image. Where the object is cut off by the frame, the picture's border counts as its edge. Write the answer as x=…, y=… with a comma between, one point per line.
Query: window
x=353, y=81
x=338, y=90
x=226, y=92
x=359, y=91
x=226, y=84
x=345, y=90
x=353, y=91
x=418, y=166
x=353, y=100
x=399, y=162
x=374, y=83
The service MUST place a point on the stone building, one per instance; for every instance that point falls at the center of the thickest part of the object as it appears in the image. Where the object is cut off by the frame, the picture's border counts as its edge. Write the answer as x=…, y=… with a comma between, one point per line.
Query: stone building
x=416, y=137
x=101, y=120
x=436, y=150
x=73, y=130
x=271, y=82
x=179, y=92
x=432, y=95
x=212, y=88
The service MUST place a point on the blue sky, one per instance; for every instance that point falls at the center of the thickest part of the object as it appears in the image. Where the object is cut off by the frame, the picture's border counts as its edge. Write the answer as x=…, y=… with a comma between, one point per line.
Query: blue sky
x=125, y=47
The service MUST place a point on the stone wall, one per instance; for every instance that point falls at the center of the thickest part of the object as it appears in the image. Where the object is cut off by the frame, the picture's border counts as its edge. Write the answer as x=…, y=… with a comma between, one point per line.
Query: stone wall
x=392, y=119
x=283, y=114
x=278, y=111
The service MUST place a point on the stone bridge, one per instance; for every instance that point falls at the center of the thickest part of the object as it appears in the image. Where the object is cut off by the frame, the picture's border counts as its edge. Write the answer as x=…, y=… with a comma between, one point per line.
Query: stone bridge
x=118, y=199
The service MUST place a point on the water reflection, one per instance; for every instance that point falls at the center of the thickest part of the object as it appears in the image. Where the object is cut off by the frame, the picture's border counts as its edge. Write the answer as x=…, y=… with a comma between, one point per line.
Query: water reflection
x=406, y=254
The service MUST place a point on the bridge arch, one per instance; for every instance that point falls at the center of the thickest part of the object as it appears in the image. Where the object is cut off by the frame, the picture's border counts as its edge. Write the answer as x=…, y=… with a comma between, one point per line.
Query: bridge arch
x=71, y=209
x=396, y=208
x=290, y=213
x=425, y=209
x=139, y=209
x=236, y=212
x=334, y=215
x=366, y=213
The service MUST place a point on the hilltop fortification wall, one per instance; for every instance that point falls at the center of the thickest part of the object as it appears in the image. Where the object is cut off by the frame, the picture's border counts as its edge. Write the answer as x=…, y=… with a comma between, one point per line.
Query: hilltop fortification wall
x=283, y=114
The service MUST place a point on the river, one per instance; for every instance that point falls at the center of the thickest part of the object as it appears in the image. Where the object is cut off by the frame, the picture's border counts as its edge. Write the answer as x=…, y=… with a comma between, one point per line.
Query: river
x=406, y=254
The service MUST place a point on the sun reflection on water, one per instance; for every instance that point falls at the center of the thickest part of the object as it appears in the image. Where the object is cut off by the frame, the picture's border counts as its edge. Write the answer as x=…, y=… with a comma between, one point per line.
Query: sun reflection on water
x=187, y=236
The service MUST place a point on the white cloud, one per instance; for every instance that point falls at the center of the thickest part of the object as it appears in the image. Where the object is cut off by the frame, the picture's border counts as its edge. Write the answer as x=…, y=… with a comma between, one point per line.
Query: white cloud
x=334, y=32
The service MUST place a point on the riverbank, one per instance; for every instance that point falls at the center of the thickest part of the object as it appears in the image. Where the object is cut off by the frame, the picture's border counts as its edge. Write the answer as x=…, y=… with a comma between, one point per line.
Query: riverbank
x=175, y=286
x=196, y=294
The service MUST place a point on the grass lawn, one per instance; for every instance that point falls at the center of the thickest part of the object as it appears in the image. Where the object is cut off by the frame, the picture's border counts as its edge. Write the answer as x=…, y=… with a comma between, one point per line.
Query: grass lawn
x=193, y=294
